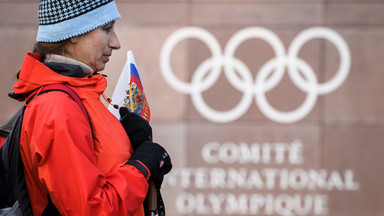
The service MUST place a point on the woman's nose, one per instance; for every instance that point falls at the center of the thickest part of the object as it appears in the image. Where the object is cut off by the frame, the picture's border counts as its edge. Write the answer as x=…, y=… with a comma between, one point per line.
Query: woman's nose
x=114, y=42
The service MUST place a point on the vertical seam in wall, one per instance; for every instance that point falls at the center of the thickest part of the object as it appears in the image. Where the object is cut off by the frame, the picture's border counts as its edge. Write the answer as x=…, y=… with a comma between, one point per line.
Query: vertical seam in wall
x=322, y=105
x=187, y=120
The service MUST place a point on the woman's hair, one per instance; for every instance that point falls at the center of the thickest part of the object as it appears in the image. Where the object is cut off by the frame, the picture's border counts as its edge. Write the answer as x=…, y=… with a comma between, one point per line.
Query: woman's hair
x=45, y=48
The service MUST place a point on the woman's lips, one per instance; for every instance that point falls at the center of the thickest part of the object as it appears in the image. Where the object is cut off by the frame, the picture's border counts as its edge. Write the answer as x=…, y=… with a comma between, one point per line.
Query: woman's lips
x=106, y=58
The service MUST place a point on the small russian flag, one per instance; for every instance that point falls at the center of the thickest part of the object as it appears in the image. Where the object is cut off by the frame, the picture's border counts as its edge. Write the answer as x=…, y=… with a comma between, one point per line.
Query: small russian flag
x=129, y=91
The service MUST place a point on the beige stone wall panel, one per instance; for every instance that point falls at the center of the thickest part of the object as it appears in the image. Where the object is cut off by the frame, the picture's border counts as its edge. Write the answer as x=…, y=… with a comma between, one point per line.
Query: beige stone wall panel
x=356, y=147
x=358, y=99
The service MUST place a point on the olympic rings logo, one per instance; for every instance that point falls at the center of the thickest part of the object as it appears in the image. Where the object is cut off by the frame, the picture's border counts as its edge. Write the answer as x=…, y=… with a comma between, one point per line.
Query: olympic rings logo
x=268, y=77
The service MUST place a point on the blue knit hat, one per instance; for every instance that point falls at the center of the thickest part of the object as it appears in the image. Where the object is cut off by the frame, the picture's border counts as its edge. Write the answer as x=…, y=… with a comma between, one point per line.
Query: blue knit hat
x=63, y=19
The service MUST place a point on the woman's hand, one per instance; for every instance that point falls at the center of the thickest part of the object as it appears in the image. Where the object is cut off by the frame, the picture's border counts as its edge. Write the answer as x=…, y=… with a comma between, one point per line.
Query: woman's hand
x=155, y=159
x=137, y=128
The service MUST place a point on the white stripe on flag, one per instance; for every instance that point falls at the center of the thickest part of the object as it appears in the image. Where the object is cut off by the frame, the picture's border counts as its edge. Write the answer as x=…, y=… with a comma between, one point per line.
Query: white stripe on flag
x=119, y=94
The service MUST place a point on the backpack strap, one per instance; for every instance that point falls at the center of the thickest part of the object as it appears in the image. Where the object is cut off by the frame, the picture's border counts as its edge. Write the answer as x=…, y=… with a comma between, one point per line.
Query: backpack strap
x=58, y=87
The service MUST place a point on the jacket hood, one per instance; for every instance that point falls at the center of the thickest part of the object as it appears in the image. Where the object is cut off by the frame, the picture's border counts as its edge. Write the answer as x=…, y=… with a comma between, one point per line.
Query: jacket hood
x=34, y=74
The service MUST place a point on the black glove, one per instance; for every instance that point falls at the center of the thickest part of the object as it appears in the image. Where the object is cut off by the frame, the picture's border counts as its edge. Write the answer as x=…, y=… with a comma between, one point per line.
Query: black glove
x=137, y=128
x=154, y=157
x=158, y=178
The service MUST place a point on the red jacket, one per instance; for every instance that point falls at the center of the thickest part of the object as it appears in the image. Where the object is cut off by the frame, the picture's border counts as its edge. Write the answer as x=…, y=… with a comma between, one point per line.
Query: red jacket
x=83, y=173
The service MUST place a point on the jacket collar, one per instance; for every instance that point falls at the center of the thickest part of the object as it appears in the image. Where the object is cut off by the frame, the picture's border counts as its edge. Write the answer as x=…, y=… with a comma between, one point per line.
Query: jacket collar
x=34, y=74
x=53, y=58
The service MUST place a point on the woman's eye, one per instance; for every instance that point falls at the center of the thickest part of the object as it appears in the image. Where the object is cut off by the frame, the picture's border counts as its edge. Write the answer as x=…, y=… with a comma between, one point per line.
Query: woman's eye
x=108, y=29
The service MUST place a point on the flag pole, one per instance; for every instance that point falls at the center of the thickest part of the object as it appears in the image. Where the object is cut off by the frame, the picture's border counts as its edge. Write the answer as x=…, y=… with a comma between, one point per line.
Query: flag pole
x=130, y=96
x=152, y=199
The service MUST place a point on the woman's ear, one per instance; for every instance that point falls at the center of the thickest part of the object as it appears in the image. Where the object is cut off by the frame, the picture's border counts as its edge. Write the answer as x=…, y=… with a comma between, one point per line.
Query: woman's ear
x=74, y=39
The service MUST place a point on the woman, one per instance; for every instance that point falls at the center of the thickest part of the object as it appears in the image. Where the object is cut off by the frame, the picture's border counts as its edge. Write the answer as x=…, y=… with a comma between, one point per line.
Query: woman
x=98, y=166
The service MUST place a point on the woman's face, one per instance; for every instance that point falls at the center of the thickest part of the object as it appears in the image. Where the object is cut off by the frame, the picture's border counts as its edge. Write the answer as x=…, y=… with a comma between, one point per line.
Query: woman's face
x=95, y=47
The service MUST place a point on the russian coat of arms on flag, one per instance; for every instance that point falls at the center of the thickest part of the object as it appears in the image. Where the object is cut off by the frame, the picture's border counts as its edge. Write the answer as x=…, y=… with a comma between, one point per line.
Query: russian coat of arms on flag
x=129, y=91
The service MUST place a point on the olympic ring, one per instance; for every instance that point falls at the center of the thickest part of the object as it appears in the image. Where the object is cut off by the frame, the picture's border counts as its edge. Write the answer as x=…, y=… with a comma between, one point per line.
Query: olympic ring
x=268, y=77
